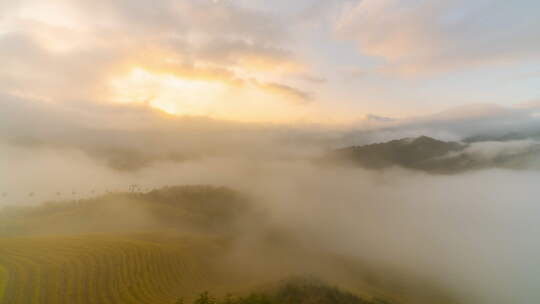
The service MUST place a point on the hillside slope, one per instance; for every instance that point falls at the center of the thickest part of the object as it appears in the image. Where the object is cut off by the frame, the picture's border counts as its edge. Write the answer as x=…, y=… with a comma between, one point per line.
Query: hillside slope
x=102, y=269
x=3, y=281
x=117, y=248
x=436, y=156
x=197, y=209
x=152, y=248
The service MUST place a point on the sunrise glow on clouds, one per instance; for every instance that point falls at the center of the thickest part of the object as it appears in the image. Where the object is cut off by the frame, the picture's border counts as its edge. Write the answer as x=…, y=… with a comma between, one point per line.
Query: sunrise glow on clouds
x=312, y=60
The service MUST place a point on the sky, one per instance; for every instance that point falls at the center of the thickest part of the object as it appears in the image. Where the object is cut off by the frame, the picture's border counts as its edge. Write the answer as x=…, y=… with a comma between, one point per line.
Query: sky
x=279, y=61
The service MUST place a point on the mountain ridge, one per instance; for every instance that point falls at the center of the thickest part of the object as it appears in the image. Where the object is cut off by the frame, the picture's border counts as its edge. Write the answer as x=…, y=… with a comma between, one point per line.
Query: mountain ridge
x=431, y=155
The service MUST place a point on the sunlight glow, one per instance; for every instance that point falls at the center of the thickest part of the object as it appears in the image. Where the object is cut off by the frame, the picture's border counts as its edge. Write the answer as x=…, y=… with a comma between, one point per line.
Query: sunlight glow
x=61, y=26
x=169, y=93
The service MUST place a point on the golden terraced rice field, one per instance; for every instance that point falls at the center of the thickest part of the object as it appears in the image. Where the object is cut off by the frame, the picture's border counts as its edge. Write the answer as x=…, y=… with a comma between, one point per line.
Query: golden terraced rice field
x=99, y=270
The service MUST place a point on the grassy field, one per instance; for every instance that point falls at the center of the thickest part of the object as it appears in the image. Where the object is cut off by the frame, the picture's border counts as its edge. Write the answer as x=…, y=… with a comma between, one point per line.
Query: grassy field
x=118, y=248
x=3, y=282
x=152, y=248
x=101, y=269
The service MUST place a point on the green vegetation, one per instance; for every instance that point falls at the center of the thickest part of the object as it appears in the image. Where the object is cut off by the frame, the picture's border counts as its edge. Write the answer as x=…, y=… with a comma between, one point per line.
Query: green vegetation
x=432, y=155
x=201, y=209
x=422, y=153
x=293, y=292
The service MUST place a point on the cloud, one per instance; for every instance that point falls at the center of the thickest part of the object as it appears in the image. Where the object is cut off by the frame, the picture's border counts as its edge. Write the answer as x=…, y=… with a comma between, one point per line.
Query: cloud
x=477, y=237
x=297, y=95
x=425, y=37
x=376, y=118
x=130, y=137
x=455, y=124
x=257, y=57
x=490, y=151
x=72, y=76
x=80, y=45
x=314, y=79
x=367, y=219
x=471, y=238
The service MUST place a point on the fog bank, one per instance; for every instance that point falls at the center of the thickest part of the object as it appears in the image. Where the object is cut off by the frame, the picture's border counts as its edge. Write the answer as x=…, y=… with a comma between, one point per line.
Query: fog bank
x=470, y=235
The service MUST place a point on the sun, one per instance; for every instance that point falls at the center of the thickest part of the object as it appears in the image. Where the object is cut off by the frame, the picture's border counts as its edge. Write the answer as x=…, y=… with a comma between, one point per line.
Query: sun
x=170, y=93
x=186, y=94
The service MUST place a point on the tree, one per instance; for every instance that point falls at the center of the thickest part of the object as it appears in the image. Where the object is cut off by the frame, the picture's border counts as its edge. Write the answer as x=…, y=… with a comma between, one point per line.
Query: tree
x=205, y=298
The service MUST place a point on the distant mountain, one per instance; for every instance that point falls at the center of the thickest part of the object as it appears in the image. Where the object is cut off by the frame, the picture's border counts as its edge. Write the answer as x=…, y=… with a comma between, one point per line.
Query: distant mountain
x=436, y=156
x=532, y=135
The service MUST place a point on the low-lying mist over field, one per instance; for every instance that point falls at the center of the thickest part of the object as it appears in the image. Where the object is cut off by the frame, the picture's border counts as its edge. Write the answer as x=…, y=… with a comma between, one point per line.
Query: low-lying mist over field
x=465, y=237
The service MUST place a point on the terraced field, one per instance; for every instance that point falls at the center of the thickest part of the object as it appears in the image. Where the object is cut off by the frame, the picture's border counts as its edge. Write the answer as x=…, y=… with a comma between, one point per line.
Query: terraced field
x=120, y=248
x=101, y=269
x=3, y=281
